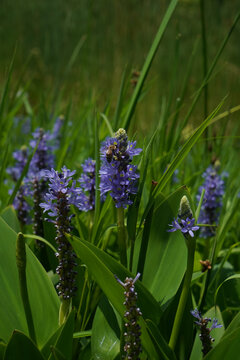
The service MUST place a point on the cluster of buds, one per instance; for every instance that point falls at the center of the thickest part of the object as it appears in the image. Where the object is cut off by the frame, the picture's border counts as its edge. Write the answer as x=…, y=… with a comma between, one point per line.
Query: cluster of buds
x=132, y=341
x=62, y=192
x=212, y=203
x=205, y=331
x=118, y=176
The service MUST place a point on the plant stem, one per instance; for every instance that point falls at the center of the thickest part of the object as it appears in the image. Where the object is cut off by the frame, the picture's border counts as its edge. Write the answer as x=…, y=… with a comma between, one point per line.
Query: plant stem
x=122, y=236
x=21, y=265
x=205, y=66
x=184, y=294
x=64, y=310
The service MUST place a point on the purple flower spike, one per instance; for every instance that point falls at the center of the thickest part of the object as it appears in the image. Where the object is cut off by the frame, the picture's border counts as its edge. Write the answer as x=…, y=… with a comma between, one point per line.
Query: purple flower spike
x=87, y=183
x=61, y=194
x=212, y=202
x=204, y=335
x=118, y=176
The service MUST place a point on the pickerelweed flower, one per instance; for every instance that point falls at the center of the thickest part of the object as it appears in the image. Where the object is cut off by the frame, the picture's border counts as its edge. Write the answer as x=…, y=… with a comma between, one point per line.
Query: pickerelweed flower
x=20, y=158
x=62, y=192
x=87, y=184
x=118, y=176
x=132, y=341
x=212, y=202
x=186, y=226
x=42, y=160
x=184, y=222
x=20, y=204
x=204, y=335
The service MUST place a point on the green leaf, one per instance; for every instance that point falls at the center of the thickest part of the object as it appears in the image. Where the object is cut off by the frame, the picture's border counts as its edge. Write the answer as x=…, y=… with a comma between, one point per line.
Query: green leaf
x=2, y=349
x=166, y=256
x=231, y=291
x=228, y=348
x=82, y=334
x=57, y=355
x=164, y=351
x=9, y=215
x=234, y=324
x=65, y=339
x=105, y=341
x=43, y=298
x=103, y=267
x=21, y=347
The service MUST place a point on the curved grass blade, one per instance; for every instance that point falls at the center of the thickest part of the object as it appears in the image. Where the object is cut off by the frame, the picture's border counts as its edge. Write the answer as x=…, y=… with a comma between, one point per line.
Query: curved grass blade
x=40, y=239
x=147, y=64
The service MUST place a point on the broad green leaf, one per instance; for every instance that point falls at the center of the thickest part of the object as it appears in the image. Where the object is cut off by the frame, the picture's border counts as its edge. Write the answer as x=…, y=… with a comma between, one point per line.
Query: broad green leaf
x=103, y=268
x=230, y=292
x=57, y=355
x=228, y=348
x=234, y=324
x=21, y=347
x=164, y=351
x=105, y=341
x=2, y=349
x=9, y=215
x=167, y=253
x=65, y=339
x=43, y=298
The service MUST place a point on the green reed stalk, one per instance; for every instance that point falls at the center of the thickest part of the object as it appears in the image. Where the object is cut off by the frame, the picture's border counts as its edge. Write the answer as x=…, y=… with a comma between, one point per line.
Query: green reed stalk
x=122, y=236
x=184, y=295
x=205, y=64
x=64, y=311
x=21, y=265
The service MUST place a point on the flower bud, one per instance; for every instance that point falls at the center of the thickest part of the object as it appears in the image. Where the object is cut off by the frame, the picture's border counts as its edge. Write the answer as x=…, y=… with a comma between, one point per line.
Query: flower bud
x=185, y=209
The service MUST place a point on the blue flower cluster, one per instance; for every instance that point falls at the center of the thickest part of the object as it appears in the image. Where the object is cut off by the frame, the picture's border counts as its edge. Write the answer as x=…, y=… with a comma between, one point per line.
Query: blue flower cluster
x=34, y=185
x=43, y=158
x=20, y=157
x=20, y=203
x=205, y=336
x=87, y=184
x=60, y=184
x=118, y=176
x=62, y=192
x=214, y=191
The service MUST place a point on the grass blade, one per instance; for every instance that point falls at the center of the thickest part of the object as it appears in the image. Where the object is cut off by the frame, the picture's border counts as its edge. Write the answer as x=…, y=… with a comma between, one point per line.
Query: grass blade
x=147, y=64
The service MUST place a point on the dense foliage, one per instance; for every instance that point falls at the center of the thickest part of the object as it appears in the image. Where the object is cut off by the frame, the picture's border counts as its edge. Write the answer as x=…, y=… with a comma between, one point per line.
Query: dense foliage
x=114, y=245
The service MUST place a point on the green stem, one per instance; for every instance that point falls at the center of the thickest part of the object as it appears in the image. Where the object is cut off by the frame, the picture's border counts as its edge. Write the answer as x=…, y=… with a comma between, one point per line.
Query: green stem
x=184, y=294
x=64, y=310
x=21, y=265
x=122, y=236
x=205, y=66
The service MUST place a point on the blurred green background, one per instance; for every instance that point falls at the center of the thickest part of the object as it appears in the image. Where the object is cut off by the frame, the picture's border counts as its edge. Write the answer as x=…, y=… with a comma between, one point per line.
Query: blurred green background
x=110, y=35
